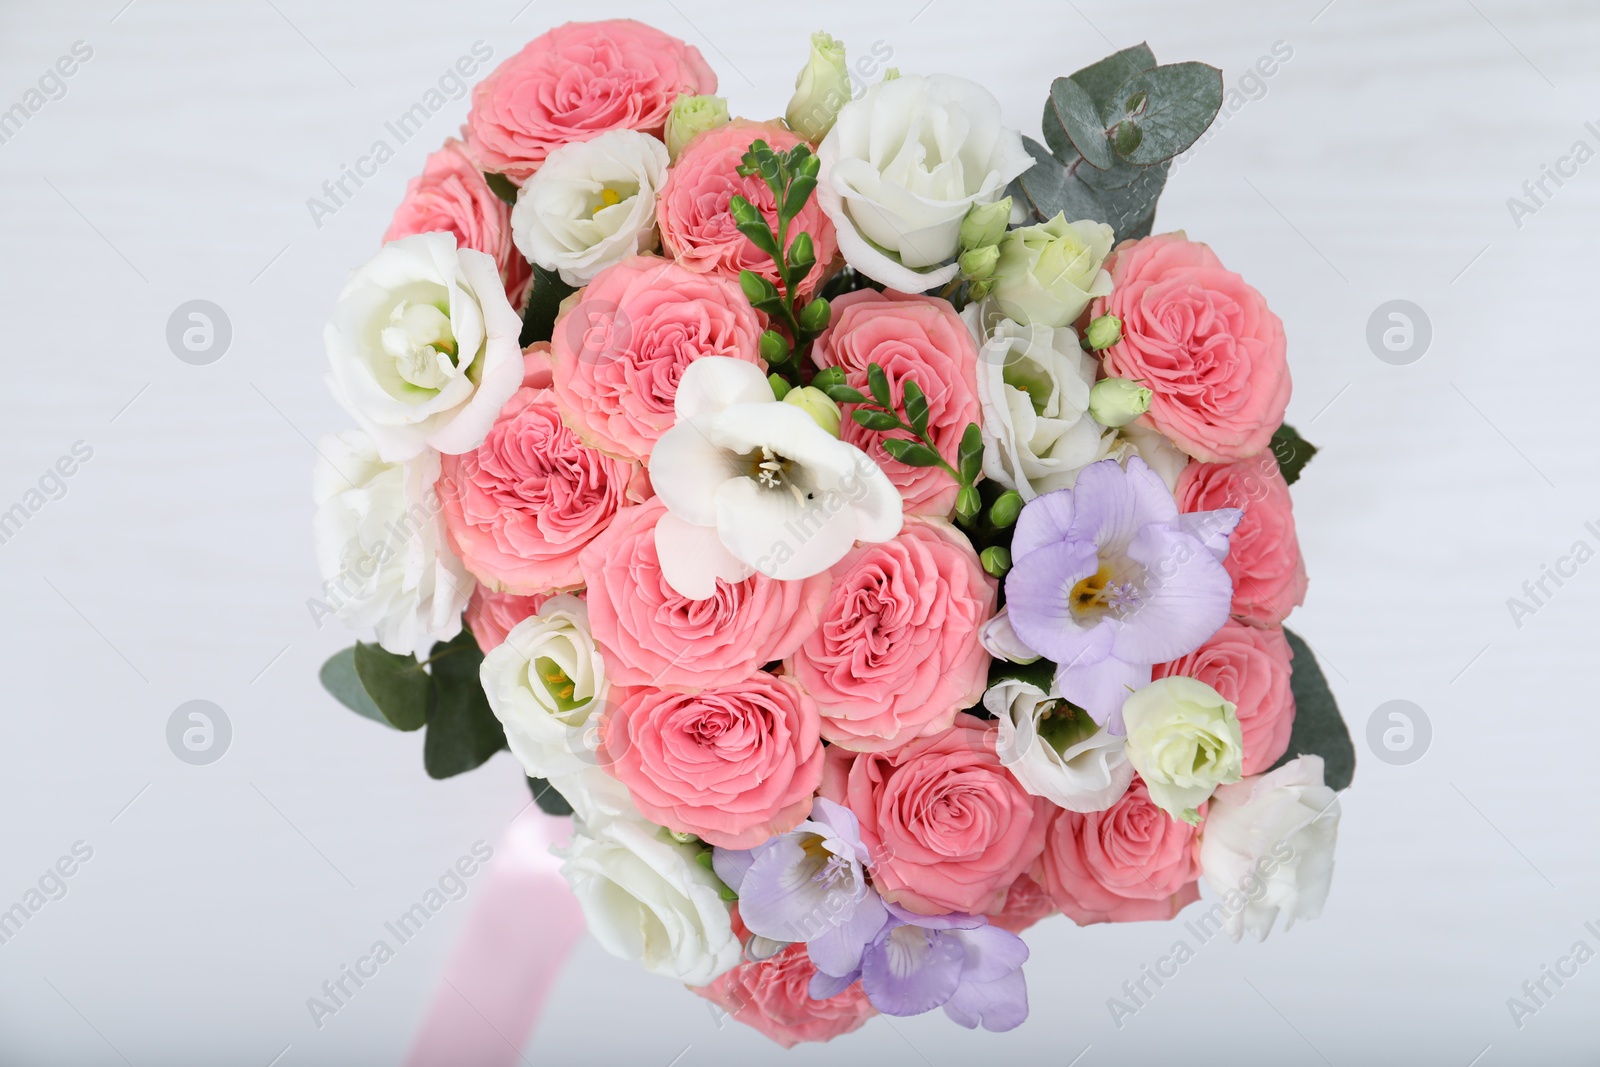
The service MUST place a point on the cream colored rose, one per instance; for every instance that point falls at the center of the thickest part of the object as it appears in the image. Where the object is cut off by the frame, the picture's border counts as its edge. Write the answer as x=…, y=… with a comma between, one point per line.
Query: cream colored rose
x=1184, y=740
x=1048, y=273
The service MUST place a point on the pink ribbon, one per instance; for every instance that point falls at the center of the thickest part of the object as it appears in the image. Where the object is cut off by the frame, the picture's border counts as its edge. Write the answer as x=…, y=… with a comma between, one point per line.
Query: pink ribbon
x=521, y=930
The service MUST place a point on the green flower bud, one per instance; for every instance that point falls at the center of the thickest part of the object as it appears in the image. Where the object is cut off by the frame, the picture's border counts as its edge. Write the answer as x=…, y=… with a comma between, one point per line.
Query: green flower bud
x=814, y=402
x=996, y=560
x=691, y=115
x=1048, y=273
x=780, y=386
x=1004, y=511
x=773, y=346
x=977, y=264
x=1118, y=401
x=822, y=88
x=985, y=224
x=968, y=502
x=815, y=316
x=1103, y=332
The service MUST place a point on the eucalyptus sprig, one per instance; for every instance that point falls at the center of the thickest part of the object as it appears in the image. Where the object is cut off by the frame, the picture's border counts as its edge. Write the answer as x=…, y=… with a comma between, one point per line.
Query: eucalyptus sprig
x=792, y=177
x=879, y=413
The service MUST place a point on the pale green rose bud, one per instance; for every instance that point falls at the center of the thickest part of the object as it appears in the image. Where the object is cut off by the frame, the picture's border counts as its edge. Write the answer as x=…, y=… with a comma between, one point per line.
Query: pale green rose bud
x=822, y=88
x=1103, y=332
x=1117, y=401
x=1049, y=272
x=693, y=115
x=814, y=402
x=1184, y=740
x=985, y=224
x=977, y=264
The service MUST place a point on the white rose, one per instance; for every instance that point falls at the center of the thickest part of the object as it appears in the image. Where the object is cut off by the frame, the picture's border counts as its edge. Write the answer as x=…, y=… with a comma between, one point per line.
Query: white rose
x=381, y=547
x=901, y=168
x=1057, y=752
x=646, y=899
x=545, y=683
x=1184, y=740
x=1033, y=386
x=591, y=204
x=1267, y=846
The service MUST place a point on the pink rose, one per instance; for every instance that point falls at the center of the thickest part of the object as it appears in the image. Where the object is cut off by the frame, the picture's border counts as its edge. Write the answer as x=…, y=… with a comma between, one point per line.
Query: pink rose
x=1269, y=577
x=918, y=338
x=1026, y=904
x=734, y=765
x=624, y=342
x=693, y=209
x=949, y=826
x=898, y=651
x=575, y=82
x=1203, y=341
x=1249, y=666
x=451, y=196
x=653, y=636
x=1128, y=863
x=522, y=505
x=773, y=996
x=490, y=616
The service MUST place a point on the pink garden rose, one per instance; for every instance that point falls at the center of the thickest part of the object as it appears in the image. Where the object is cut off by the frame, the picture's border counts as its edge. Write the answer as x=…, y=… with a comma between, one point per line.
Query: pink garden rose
x=522, y=505
x=622, y=344
x=1129, y=863
x=948, y=826
x=1249, y=666
x=451, y=195
x=772, y=996
x=490, y=616
x=696, y=226
x=918, y=338
x=1203, y=341
x=1026, y=904
x=654, y=636
x=734, y=765
x=1269, y=577
x=575, y=82
x=898, y=651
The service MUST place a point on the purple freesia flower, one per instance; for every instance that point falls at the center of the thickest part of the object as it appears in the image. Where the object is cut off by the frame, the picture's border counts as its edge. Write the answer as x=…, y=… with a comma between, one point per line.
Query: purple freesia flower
x=1109, y=579
x=807, y=885
x=915, y=963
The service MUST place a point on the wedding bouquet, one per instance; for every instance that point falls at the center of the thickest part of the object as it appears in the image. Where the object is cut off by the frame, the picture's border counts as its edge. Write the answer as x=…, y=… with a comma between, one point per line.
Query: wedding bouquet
x=871, y=532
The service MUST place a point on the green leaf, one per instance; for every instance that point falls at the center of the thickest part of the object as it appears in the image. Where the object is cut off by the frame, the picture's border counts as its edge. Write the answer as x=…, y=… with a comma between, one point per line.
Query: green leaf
x=911, y=453
x=760, y=235
x=1072, y=123
x=462, y=730
x=916, y=408
x=1318, y=728
x=969, y=456
x=843, y=394
x=1101, y=80
x=881, y=421
x=550, y=801
x=1040, y=673
x=1050, y=188
x=799, y=192
x=1292, y=452
x=397, y=685
x=339, y=678
x=544, y=304
x=1169, y=107
x=878, y=383
x=501, y=186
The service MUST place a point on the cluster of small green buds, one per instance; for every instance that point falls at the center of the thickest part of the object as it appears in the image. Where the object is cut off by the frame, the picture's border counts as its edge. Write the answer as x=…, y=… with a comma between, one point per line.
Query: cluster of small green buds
x=981, y=231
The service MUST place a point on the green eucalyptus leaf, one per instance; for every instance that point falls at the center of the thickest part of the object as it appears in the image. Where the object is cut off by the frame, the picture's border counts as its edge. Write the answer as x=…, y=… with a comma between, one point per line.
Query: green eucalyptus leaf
x=911, y=453
x=1292, y=452
x=1072, y=123
x=1169, y=107
x=1318, y=727
x=398, y=685
x=339, y=678
x=1101, y=80
x=1050, y=188
x=462, y=730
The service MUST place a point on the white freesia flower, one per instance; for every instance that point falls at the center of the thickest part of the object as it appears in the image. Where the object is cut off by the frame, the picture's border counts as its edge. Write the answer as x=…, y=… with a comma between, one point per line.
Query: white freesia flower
x=1055, y=751
x=753, y=484
x=381, y=545
x=1033, y=385
x=901, y=168
x=423, y=346
x=646, y=899
x=1267, y=846
x=1184, y=740
x=545, y=683
x=591, y=204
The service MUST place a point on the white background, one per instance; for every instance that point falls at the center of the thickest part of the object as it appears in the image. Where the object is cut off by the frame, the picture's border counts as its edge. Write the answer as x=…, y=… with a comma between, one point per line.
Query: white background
x=1376, y=166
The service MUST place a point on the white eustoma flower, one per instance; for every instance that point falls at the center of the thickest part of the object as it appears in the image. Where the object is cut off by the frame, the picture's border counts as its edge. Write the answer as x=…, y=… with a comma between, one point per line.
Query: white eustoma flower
x=545, y=683
x=1184, y=739
x=1267, y=846
x=901, y=168
x=423, y=347
x=591, y=204
x=381, y=546
x=755, y=485
x=1033, y=387
x=1057, y=752
x=646, y=899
